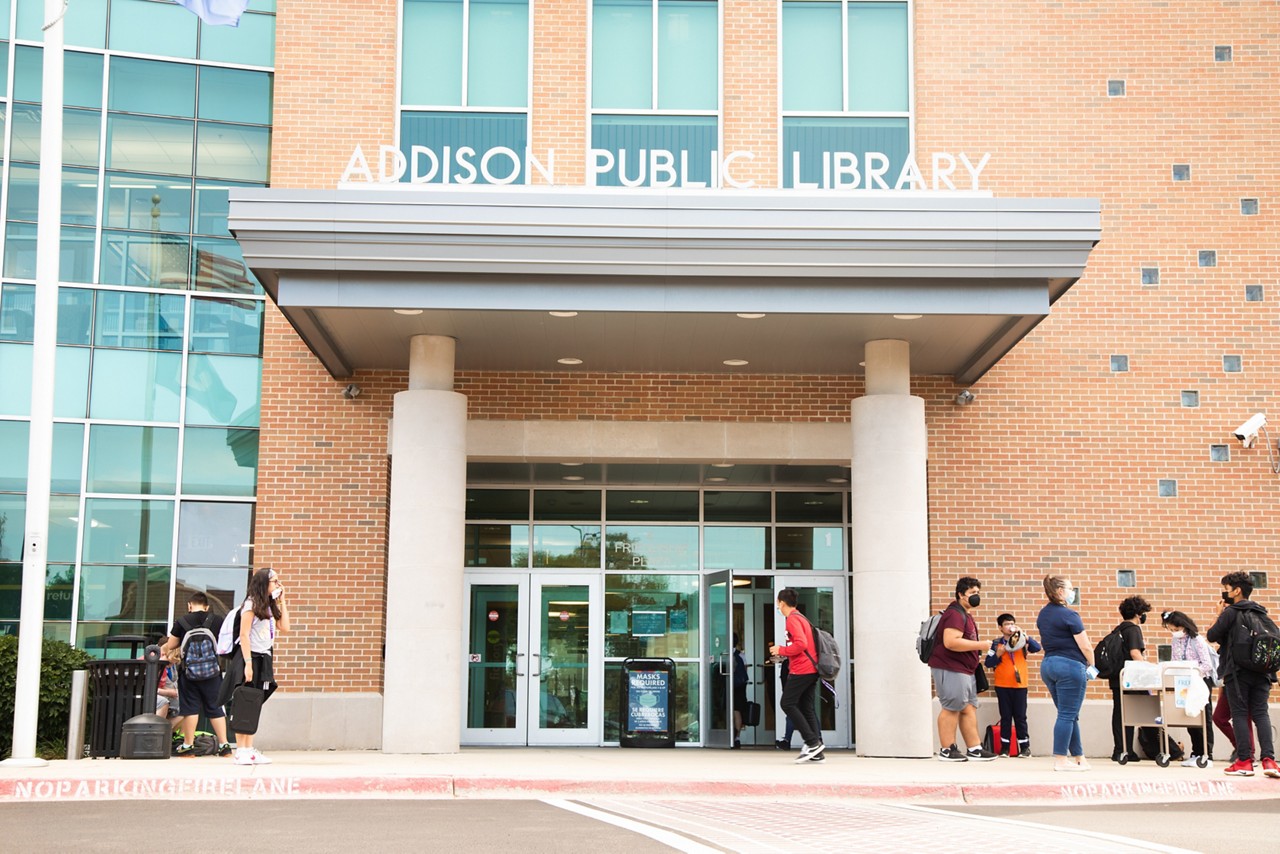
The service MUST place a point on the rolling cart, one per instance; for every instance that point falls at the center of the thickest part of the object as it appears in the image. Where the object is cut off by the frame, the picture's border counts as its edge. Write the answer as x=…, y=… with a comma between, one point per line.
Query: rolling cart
x=1149, y=698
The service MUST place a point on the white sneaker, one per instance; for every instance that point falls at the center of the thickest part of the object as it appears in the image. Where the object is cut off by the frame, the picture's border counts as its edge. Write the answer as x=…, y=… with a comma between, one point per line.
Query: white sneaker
x=244, y=756
x=260, y=759
x=1194, y=762
x=806, y=751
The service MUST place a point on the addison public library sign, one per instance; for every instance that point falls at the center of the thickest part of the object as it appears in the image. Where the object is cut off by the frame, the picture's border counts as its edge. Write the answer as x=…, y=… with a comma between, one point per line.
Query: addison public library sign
x=840, y=170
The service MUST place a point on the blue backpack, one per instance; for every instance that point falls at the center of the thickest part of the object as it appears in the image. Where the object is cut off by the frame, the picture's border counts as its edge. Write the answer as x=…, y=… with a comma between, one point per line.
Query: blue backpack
x=200, y=652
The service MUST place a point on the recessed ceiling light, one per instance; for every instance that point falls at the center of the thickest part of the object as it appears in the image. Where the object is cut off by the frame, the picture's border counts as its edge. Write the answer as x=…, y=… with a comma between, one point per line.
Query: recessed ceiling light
x=410, y=312
x=563, y=313
x=812, y=503
x=736, y=363
x=573, y=477
x=862, y=364
x=716, y=479
x=750, y=315
x=837, y=480
x=571, y=464
x=906, y=317
x=569, y=360
x=639, y=501
x=723, y=465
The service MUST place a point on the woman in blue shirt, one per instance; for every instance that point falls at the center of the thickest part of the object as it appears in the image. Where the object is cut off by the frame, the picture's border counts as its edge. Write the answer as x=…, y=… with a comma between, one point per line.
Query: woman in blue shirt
x=1067, y=668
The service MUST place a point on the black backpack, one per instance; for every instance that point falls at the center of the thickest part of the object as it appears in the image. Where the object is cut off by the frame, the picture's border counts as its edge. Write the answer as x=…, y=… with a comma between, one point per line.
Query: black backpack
x=1255, y=642
x=1108, y=654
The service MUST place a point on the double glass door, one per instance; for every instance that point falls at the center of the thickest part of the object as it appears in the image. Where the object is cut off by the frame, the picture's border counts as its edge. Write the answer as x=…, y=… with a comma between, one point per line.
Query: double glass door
x=530, y=643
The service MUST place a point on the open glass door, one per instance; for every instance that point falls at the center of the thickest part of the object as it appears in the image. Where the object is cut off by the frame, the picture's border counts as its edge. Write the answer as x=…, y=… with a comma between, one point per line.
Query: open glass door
x=717, y=700
x=824, y=602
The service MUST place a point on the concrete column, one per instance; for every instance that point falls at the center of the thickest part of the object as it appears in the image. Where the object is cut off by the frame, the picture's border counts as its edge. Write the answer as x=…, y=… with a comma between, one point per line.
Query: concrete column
x=422, y=693
x=889, y=505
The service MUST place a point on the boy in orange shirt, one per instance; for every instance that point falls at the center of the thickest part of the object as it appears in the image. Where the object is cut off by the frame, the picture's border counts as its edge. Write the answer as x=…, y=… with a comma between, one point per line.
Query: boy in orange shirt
x=1009, y=658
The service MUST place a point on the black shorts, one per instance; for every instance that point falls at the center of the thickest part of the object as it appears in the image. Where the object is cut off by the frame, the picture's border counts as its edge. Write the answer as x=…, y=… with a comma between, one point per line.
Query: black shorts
x=196, y=696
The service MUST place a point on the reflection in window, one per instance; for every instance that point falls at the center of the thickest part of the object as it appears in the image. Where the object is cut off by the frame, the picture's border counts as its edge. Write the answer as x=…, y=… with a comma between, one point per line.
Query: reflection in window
x=566, y=545
x=220, y=462
x=13, y=456
x=215, y=533
x=810, y=548
x=144, y=258
x=497, y=504
x=226, y=588
x=133, y=460
x=71, y=383
x=135, y=385
x=223, y=390
x=219, y=266
x=500, y=546
x=68, y=452
x=736, y=548
x=642, y=547
x=15, y=367
x=13, y=525
x=145, y=143
x=58, y=591
x=147, y=202
x=64, y=528
x=111, y=640
x=128, y=531
x=667, y=625
x=226, y=326
x=551, y=505
x=124, y=593
x=17, y=312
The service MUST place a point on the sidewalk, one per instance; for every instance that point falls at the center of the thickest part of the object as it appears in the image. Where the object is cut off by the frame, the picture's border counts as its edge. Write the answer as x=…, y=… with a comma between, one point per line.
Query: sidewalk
x=617, y=772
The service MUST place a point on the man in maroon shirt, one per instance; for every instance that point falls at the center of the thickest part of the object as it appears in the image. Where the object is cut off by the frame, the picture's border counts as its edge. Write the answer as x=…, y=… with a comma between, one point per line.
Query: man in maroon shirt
x=953, y=662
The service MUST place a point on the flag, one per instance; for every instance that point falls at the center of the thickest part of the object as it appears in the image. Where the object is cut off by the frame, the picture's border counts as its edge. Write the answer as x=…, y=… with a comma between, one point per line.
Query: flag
x=217, y=12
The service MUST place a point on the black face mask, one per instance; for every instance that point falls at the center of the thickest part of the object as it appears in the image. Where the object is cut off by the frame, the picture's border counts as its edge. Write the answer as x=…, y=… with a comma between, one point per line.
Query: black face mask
x=1226, y=597
x=974, y=600
x=1142, y=619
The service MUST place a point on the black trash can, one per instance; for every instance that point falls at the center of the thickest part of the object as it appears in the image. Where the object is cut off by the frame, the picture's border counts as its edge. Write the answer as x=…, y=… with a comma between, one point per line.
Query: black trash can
x=118, y=691
x=645, y=703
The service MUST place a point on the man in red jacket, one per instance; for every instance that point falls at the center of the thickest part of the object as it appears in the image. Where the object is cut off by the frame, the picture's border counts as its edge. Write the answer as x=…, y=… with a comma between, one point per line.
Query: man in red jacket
x=799, y=694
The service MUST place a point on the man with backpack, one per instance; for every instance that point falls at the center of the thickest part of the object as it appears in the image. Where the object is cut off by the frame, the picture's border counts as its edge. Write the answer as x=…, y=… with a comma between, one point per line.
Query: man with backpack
x=199, y=675
x=1239, y=625
x=955, y=658
x=799, y=695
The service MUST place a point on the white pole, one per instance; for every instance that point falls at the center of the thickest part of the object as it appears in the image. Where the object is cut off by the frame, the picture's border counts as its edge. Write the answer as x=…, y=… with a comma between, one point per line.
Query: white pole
x=26, y=701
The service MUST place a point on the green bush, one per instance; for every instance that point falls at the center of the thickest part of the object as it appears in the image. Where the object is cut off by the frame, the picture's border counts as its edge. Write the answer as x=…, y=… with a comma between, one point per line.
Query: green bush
x=57, y=661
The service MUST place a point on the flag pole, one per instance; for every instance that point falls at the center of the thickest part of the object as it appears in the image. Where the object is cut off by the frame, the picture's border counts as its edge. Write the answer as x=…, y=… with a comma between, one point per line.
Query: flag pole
x=26, y=701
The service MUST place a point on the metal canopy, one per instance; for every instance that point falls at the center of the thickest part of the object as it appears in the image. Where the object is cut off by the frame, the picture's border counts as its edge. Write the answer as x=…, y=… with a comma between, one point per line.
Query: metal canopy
x=659, y=277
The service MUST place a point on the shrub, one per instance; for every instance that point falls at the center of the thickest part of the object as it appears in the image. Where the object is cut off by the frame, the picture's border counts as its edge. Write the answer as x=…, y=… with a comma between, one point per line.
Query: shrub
x=57, y=661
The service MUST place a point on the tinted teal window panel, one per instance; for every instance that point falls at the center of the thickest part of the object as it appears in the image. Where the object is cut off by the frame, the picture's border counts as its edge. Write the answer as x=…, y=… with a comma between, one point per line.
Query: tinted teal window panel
x=75, y=315
x=233, y=152
x=5, y=7
x=262, y=5
x=85, y=24
x=17, y=312
x=28, y=73
x=154, y=87
x=219, y=266
x=77, y=249
x=232, y=95
x=622, y=54
x=13, y=455
x=25, y=135
x=64, y=528
x=878, y=65
x=226, y=326
x=147, y=202
x=80, y=198
x=432, y=56
x=4, y=66
x=212, y=206
x=251, y=43
x=480, y=131
x=15, y=367
x=812, y=62
x=68, y=454
x=82, y=77
x=688, y=55
x=626, y=136
x=13, y=510
x=144, y=144
x=142, y=258
x=138, y=26
x=132, y=460
x=71, y=383
x=219, y=462
x=80, y=133
x=20, y=250
x=223, y=390
x=128, y=530
x=215, y=533
x=24, y=192
x=135, y=385
x=140, y=321
x=812, y=137
x=498, y=54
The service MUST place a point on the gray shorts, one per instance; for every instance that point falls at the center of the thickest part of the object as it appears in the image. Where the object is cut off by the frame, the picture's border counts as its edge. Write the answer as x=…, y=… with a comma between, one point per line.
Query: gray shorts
x=955, y=690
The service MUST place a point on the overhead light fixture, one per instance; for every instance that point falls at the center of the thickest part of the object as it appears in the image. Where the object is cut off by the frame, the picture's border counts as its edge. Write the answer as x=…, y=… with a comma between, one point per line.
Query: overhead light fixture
x=813, y=503
x=569, y=360
x=563, y=313
x=736, y=363
x=964, y=398
x=723, y=465
x=862, y=364
x=742, y=582
x=716, y=479
x=639, y=501
x=408, y=312
x=745, y=315
x=352, y=391
x=837, y=480
x=573, y=477
x=907, y=317
x=571, y=464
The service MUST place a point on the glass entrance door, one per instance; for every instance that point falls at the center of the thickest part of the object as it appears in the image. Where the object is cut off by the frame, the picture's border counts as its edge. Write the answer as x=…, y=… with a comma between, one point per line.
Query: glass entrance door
x=823, y=600
x=717, y=700
x=530, y=644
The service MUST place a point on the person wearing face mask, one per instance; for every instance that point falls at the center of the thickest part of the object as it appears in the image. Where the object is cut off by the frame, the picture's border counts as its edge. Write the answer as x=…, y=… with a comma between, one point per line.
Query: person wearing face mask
x=263, y=615
x=953, y=663
x=1187, y=644
x=1134, y=612
x=1066, y=671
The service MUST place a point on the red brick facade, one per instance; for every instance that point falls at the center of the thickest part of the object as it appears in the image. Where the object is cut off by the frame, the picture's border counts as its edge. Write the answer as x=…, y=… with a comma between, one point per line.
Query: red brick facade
x=1054, y=466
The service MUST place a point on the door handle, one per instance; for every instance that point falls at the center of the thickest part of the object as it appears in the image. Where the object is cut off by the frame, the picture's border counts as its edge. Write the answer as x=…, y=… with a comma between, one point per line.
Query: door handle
x=536, y=660
x=519, y=655
x=724, y=660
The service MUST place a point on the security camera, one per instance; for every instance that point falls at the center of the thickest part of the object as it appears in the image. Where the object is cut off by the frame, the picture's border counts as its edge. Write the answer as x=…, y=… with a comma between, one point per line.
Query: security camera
x=1247, y=432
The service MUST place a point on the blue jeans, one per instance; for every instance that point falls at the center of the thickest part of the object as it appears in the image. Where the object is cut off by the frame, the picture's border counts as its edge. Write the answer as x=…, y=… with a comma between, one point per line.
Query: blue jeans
x=1066, y=680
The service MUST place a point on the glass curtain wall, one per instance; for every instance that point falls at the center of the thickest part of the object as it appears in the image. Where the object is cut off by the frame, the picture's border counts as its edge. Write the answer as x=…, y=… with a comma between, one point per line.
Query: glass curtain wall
x=655, y=92
x=159, y=340
x=846, y=92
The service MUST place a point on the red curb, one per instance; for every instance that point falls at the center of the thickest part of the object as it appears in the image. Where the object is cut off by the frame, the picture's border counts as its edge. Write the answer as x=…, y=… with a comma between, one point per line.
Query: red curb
x=489, y=787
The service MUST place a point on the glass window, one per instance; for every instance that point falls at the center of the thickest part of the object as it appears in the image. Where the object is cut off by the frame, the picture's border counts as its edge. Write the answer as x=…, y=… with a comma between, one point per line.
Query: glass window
x=24, y=142
x=878, y=65
x=566, y=545
x=736, y=548
x=99, y=638
x=627, y=136
x=58, y=591
x=233, y=152
x=220, y=462
x=71, y=384
x=807, y=138
x=639, y=547
x=688, y=55
x=81, y=130
x=432, y=65
x=219, y=266
x=86, y=23
x=498, y=504
x=13, y=456
x=135, y=385
x=223, y=390
x=215, y=533
x=147, y=203
x=140, y=321
x=736, y=507
x=810, y=548
x=810, y=506
x=484, y=132
x=156, y=260
x=82, y=81
x=128, y=592
x=144, y=143
x=13, y=510
x=251, y=43
x=24, y=192
x=4, y=61
x=75, y=315
x=68, y=453
x=550, y=505
x=10, y=595
x=674, y=595
x=153, y=87
x=226, y=326
x=15, y=367
x=651, y=506
x=232, y=95
x=128, y=531
x=622, y=54
x=17, y=312
x=498, y=53
x=64, y=527
x=80, y=200
x=77, y=250
x=132, y=460
x=28, y=73
x=498, y=545
x=212, y=206
x=811, y=57
x=226, y=588
x=139, y=26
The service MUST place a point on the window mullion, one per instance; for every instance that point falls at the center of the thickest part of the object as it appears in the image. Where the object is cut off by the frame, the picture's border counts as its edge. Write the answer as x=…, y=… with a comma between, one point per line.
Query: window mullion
x=844, y=56
x=653, y=83
x=466, y=48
